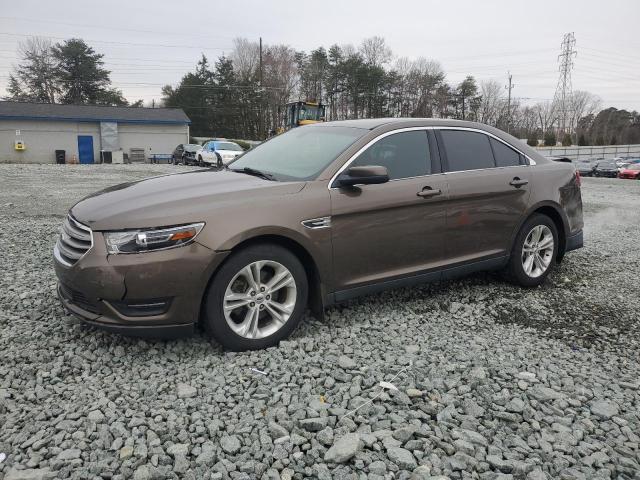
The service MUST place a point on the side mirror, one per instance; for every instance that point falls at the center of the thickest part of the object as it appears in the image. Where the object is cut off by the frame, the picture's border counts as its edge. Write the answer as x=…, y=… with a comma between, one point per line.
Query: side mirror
x=365, y=175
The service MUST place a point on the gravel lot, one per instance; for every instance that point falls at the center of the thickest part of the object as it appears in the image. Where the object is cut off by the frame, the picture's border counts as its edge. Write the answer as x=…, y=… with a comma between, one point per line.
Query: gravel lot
x=494, y=382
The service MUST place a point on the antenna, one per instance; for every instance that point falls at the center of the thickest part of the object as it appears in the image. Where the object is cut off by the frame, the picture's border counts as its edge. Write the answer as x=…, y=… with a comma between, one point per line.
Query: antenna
x=562, y=98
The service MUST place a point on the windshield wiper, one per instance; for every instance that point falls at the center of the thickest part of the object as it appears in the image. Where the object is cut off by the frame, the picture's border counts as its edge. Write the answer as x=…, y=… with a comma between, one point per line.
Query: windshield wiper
x=255, y=173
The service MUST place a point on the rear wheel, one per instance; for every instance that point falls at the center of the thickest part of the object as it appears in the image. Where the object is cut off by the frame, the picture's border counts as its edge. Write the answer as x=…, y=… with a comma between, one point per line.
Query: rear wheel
x=200, y=162
x=534, y=251
x=257, y=298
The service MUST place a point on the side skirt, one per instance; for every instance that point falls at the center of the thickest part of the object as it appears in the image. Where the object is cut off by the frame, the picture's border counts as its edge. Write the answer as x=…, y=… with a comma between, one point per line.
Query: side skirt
x=428, y=277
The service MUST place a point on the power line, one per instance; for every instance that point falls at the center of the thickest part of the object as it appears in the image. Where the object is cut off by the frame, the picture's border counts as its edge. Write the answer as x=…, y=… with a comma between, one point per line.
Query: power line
x=164, y=45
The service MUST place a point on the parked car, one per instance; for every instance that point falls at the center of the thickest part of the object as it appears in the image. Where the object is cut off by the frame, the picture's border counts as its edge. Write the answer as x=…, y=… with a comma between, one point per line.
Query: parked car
x=606, y=168
x=185, y=154
x=219, y=153
x=628, y=161
x=631, y=171
x=312, y=217
x=586, y=167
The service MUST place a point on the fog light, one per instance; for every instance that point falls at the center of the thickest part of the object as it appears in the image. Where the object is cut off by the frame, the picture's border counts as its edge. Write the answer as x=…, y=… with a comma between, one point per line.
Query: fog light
x=142, y=308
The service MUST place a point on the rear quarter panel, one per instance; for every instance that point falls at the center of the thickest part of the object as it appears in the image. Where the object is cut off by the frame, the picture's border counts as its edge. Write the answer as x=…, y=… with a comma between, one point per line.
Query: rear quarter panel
x=555, y=184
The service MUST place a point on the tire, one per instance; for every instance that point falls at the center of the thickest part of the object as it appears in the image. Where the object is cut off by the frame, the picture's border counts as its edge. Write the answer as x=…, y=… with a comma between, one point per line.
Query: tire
x=200, y=162
x=219, y=162
x=517, y=267
x=233, y=329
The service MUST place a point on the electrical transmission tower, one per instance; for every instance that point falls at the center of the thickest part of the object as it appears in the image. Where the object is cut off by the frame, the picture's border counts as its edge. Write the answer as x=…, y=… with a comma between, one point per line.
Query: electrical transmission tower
x=562, y=98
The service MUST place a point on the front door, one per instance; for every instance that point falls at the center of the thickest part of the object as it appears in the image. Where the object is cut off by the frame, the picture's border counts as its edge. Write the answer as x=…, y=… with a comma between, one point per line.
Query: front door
x=488, y=194
x=395, y=229
x=85, y=148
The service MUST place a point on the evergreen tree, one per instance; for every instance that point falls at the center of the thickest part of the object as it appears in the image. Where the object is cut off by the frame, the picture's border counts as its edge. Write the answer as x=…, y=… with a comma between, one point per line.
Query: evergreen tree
x=550, y=139
x=81, y=76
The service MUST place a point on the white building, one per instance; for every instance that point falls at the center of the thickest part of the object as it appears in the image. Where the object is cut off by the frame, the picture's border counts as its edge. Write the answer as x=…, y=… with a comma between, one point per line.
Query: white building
x=32, y=132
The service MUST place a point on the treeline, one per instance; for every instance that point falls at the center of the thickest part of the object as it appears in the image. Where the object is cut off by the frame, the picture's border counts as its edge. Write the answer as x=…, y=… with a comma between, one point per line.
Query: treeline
x=242, y=96
x=67, y=72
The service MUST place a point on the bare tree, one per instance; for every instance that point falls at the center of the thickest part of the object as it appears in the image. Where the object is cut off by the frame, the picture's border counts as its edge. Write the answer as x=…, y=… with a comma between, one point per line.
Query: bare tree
x=34, y=78
x=547, y=115
x=582, y=104
x=492, y=103
x=375, y=51
x=246, y=58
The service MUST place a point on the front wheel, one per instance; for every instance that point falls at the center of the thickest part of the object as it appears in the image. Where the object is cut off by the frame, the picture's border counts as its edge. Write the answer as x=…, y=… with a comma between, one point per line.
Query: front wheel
x=534, y=251
x=257, y=298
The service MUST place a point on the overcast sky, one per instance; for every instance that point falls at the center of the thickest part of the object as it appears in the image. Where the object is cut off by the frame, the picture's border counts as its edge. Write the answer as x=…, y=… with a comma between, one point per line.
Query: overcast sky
x=148, y=43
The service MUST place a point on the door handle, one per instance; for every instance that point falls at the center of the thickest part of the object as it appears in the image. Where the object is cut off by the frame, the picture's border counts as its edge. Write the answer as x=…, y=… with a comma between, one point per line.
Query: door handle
x=428, y=192
x=517, y=182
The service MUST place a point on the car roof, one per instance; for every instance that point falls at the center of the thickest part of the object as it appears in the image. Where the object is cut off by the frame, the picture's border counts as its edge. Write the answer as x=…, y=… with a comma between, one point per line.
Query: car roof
x=387, y=124
x=371, y=123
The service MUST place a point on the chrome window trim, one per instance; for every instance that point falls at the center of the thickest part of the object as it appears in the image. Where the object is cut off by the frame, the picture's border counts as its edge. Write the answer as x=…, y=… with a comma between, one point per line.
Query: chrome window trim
x=477, y=130
x=367, y=145
x=56, y=251
x=434, y=127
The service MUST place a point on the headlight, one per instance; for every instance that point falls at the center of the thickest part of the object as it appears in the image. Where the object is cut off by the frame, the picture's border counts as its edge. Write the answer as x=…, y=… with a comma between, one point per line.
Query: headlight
x=145, y=240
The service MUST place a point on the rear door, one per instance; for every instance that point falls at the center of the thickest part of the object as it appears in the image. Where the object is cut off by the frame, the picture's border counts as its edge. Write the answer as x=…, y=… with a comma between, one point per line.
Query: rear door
x=394, y=229
x=489, y=189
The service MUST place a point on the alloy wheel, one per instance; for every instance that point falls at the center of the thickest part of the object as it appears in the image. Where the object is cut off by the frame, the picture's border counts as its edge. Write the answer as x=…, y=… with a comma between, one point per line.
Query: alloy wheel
x=537, y=251
x=259, y=299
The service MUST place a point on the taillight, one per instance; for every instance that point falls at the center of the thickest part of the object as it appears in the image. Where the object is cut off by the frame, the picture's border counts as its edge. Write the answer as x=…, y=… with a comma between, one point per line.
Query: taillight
x=578, y=178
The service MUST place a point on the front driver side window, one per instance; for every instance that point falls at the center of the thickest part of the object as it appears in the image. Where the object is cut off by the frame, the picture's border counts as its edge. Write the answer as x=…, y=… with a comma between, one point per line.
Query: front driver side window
x=405, y=155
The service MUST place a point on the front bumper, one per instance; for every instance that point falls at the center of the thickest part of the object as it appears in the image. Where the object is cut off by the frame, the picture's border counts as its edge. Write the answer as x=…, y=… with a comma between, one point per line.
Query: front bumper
x=100, y=288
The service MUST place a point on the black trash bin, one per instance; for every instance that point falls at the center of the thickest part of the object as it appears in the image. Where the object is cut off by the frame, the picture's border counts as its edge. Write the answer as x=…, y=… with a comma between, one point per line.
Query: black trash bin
x=60, y=156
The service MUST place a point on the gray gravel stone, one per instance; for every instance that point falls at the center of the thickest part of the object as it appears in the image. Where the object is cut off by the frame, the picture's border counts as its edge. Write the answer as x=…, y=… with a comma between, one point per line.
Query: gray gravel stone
x=604, y=409
x=186, y=391
x=402, y=458
x=343, y=449
x=346, y=362
x=230, y=444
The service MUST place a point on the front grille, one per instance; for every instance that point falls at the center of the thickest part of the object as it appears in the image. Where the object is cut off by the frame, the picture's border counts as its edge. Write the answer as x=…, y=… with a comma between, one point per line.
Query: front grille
x=74, y=241
x=79, y=298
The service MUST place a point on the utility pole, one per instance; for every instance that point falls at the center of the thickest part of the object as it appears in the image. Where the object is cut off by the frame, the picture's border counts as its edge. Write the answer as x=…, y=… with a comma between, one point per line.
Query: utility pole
x=260, y=61
x=260, y=129
x=509, y=88
x=562, y=98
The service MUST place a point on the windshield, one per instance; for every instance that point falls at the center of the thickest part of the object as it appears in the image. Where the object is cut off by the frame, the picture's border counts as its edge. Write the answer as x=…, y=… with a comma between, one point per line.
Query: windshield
x=228, y=146
x=308, y=112
x=634, y=166
x=192, y=146
x=301, y=153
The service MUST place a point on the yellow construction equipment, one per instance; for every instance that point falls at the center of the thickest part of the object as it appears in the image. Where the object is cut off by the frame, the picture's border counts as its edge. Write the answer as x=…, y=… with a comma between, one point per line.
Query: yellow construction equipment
x=303, y=113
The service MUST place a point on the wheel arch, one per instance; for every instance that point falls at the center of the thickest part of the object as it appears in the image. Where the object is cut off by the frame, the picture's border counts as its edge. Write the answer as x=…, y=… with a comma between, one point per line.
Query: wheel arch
x=316, y=287
x=556, y=214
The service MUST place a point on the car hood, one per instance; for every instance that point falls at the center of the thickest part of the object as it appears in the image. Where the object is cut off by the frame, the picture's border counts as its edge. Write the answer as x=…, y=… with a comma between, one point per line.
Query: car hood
x=230, y=152
x=627, y=171
x=174, y=199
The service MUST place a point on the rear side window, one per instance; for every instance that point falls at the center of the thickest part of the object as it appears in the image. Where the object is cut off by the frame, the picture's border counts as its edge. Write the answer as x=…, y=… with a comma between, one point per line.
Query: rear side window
x=505, y=156
x=405, y=154
x=467, y=150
